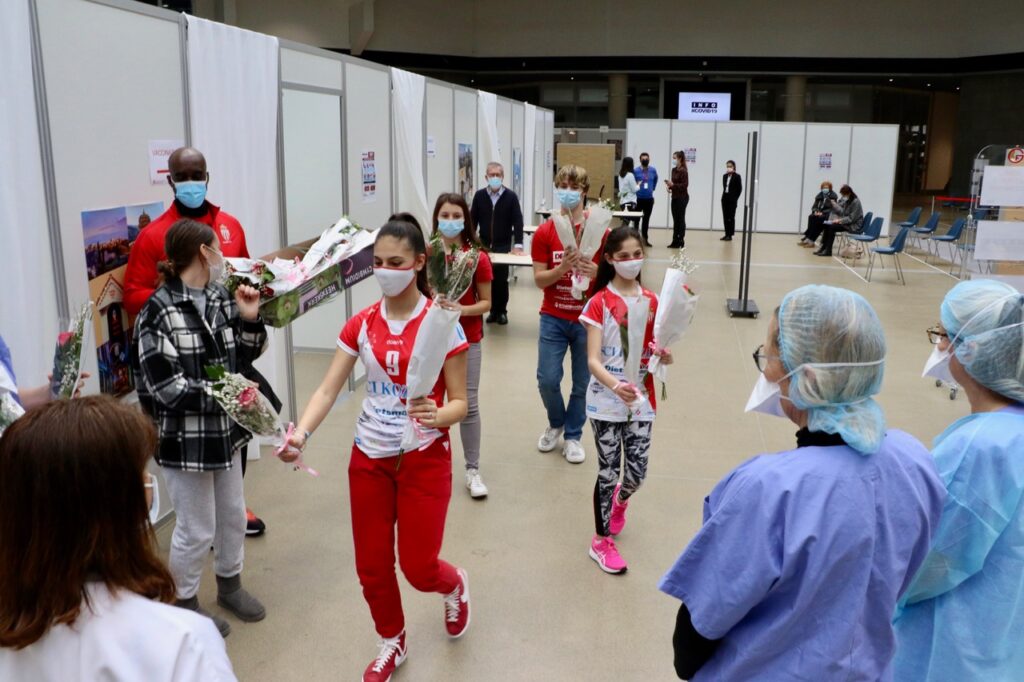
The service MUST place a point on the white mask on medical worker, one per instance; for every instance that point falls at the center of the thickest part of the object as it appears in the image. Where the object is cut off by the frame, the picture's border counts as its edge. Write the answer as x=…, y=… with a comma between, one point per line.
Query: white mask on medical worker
x=937, y=366
x=766, y=398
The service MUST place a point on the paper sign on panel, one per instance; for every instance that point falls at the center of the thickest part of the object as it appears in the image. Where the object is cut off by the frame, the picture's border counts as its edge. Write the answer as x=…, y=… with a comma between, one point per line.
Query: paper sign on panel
x=999, y=240
x=1003, y=186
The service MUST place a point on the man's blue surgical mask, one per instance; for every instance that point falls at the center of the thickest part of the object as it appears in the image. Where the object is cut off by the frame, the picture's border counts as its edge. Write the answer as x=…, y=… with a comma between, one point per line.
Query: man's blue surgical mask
x=192, y=193
x=451, y=228
x=568, y=198
x=494, y=182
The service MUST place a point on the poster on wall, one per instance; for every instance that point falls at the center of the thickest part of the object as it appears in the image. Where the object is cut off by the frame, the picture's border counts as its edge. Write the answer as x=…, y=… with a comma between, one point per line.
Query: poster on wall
x=517, y=171
x=691, y=155
x=159, y=152
x=825, y=161
x=108, y=235
x=431, y=147
x=369, y=177
x=465, y=175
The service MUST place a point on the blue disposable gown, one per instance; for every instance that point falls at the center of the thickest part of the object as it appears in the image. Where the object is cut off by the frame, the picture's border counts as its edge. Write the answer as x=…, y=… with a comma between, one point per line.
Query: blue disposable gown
x=802, y=557
x=963, y=616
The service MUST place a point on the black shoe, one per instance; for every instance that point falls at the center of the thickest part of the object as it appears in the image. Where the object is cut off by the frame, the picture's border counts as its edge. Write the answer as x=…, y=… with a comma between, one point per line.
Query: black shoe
x=826, y=254
x=726, y=238
x=491, y=319
x=674, y=245
x=503, y=319
x=253, y=524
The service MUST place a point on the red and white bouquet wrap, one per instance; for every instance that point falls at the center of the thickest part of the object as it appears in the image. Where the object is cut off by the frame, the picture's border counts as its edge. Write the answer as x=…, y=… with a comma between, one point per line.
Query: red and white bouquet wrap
x=676, y=307
x=69, y=356
x=631, y=335
x=251, y=410
x=594, y=227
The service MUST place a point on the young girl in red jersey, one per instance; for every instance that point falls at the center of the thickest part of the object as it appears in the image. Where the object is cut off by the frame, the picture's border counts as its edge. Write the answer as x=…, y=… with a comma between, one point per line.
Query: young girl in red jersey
x=453, y=220
x=619, y=428
x=411, y=491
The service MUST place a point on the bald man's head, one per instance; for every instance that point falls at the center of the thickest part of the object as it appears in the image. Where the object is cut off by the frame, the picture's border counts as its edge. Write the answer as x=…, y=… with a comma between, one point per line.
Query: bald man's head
x=187, y=164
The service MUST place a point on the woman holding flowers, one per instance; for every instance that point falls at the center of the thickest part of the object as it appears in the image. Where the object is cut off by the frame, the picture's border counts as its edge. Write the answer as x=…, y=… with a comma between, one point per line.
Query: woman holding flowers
x=454, y=229
x=189, y=325
x=389, y=487
x=619, y=319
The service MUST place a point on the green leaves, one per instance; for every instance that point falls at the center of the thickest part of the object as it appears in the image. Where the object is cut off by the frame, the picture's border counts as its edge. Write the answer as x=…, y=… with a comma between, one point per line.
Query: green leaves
x=215, y=372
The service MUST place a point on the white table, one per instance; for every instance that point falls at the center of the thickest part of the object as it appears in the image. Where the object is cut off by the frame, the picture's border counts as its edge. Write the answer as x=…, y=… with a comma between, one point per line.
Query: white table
x=511, y=259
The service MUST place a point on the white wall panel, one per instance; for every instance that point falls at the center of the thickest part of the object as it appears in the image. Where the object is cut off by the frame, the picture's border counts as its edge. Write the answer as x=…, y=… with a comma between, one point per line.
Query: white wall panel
x=541, y=173
x=440, y=127
x=779, y=163
x=873, y=168
x=824, y=138
x=549, y=156
x=705, y=177
x=731, y=144
x=655, y=138
x=505, y=135
x=311, y=69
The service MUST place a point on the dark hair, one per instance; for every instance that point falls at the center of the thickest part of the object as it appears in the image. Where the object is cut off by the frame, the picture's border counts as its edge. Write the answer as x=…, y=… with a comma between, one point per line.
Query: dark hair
x=682, y=155
x=469, y=235
x=409, y=231
x=182, y=244
x=645, y=154
x=615, y=239
x=626, y=167
x=73, y=510
x=730, y=162
x=849, y=190
x=406, y=217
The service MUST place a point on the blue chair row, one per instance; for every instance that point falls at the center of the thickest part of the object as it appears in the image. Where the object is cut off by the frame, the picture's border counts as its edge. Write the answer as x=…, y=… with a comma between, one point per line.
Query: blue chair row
x=894, y=249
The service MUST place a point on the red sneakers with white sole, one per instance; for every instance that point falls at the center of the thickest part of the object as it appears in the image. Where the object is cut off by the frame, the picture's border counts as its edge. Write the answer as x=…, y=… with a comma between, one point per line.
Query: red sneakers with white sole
x=392, y=653
x=456, y=607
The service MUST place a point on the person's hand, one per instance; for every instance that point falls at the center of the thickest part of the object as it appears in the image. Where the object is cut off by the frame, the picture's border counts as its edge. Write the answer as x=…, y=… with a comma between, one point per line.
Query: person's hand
x=80, y=386
x=587, y=268
x=625, y=392
x=423, y=410
x=666, y=357
x=569, y=259
x=296, y=444
x=518, y=251
x=248, y=300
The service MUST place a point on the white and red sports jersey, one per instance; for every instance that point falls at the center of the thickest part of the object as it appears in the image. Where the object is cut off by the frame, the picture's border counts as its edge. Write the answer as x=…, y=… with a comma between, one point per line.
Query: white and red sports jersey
x=385, y=347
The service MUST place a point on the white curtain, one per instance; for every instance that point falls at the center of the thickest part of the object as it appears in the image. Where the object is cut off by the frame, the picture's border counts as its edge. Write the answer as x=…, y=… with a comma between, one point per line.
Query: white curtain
x=488, y=113
x=233, y=86
x=408, y=99
x=529, y=158
x=28, y=305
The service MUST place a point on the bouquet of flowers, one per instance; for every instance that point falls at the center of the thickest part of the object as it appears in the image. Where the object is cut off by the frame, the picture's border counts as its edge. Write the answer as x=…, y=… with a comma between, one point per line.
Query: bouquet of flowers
x=68, y=358
x=450, y=270
x=250, y=409
x=676, y=307
x=594, y=227
x=631, y=335
x=10, y=410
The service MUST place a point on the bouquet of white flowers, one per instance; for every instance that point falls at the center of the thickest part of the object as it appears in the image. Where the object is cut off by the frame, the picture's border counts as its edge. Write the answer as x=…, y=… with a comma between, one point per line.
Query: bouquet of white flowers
x=69, y=358
x=676, y=307
x=594, y=227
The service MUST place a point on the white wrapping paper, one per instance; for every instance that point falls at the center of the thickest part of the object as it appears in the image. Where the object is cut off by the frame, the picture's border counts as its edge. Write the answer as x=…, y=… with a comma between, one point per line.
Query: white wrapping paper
x=637, y=314
x=594, y=228
x=428, y=355
x=676, y=307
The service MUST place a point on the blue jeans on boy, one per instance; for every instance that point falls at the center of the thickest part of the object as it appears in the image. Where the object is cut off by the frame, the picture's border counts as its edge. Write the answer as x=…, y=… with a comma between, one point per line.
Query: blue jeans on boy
x=557, y=336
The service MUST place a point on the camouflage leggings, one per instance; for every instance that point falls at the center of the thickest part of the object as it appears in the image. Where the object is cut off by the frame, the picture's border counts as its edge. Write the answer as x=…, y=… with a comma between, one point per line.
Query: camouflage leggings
x=612, y=438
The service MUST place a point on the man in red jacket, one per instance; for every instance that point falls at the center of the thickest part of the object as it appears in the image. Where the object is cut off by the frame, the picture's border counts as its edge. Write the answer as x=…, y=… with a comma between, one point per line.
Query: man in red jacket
x=188, y=178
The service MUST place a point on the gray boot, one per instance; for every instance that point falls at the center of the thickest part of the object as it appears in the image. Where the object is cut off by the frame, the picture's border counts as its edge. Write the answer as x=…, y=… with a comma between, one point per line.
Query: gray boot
x=192, y=604
x=232, y=597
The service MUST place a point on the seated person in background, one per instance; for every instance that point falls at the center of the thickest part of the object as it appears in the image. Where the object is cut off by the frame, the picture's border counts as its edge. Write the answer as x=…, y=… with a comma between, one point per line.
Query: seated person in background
x=847, y=216
x=803, y=554
x=83, y=595
x=820, y=209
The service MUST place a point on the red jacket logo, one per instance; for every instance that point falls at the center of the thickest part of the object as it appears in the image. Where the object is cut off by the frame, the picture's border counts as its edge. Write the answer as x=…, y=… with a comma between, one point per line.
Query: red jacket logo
x=225, y=234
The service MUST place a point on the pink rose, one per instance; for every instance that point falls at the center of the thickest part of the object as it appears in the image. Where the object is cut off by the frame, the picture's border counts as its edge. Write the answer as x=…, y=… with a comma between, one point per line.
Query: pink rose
x=248, y=397
x=64, y=337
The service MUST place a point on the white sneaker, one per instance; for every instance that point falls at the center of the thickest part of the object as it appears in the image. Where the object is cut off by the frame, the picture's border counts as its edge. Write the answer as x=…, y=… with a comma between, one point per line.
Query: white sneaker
x=549, y=439
x=475, y=484
x=573, y=451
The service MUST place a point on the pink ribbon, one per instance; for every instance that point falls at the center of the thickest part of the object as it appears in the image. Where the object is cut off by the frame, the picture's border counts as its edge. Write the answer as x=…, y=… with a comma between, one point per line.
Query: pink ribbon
x=298, y=463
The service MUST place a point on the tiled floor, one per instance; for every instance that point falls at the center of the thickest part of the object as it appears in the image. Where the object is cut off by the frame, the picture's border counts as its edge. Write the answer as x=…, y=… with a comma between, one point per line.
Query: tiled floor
x=542, y=609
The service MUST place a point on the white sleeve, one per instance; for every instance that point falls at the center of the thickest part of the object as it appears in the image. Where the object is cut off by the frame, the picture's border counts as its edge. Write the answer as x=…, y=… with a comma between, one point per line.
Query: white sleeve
x=203, y=657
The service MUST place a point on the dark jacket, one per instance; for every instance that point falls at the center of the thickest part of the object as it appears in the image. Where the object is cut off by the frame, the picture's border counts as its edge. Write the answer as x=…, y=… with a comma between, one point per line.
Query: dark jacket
x=850, y=215
x=680, y=183
x=500, y=225
x=175, y=347
x=823, y=202
x=735, y=187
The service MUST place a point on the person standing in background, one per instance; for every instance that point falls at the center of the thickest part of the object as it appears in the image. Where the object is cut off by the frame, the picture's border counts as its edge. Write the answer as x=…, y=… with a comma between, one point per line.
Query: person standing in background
x=678, y=188
x=628, y=188
x=732, y=188
x=499, y=218
x=646, y=177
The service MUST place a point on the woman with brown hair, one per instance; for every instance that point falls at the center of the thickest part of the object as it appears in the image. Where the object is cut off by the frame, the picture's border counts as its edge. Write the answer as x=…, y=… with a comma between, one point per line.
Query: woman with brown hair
x=678, y=188
x=83, y=595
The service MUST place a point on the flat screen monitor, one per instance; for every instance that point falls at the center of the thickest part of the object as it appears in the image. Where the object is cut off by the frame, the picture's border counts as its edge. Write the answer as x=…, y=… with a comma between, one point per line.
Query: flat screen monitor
x=704, y=106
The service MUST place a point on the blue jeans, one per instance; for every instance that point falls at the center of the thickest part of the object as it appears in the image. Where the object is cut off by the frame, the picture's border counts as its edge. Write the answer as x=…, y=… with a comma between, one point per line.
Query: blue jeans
x=557, y=336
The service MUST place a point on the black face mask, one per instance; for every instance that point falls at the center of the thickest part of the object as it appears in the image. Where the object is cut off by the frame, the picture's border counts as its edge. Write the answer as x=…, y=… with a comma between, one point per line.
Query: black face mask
x=645, y=162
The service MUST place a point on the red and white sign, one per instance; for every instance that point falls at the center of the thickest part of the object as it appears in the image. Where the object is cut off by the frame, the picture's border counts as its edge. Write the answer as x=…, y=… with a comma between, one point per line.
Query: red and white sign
x=1015, y=156
x=159, y=152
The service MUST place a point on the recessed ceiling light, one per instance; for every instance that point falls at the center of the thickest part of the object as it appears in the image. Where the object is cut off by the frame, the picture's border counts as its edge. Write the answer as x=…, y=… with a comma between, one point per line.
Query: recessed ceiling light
x=929, y=85
x=890, y=80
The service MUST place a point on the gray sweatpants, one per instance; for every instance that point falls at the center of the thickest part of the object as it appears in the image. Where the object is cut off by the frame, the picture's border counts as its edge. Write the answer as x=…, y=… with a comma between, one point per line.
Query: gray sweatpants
x=470, y=426
x=210, y=509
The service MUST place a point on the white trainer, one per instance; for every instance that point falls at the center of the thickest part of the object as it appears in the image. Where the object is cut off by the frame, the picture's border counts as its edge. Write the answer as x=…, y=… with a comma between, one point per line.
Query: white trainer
x=574, y=452
x=549, y=439
x=476, y=486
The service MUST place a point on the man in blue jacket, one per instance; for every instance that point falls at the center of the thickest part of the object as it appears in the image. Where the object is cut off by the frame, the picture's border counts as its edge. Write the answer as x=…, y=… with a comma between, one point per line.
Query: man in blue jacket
x=647, y=179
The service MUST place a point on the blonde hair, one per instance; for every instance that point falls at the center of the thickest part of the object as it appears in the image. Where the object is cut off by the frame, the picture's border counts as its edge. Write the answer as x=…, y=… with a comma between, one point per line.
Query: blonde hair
x=574, y=174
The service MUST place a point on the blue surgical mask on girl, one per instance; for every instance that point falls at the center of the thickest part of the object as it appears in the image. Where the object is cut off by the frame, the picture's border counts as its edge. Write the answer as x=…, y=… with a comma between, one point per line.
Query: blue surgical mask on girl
x=192, y=193
x=451, y=228
x=568, y=198
x=494, y=182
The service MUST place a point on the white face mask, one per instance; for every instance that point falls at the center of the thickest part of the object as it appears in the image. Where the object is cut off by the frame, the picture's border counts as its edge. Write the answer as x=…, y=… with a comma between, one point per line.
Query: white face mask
x=937, y=366
x=628, y=269
x=393, y=281
x=766, y=398
x=216, y=268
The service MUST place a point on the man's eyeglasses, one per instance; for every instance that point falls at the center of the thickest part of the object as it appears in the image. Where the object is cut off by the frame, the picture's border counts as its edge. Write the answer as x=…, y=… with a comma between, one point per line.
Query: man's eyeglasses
x=760, y=357
x=935, y=335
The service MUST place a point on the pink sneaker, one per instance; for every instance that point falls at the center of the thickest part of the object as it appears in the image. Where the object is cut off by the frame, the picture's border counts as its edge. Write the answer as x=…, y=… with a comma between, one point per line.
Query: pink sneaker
x=618, y=517
x=603, y=551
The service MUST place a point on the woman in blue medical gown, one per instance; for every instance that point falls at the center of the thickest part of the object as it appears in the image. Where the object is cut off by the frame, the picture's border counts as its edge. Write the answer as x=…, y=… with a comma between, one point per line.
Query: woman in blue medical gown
x=804, y=553
x=963, y=616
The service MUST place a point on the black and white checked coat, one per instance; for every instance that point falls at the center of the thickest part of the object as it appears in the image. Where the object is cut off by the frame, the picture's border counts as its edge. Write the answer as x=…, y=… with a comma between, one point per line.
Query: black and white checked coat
x=175, y=345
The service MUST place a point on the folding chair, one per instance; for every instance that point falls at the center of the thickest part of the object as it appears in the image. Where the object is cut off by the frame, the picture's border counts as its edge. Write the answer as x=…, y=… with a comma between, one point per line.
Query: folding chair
x=952, y=238
x=894, y=249
x=920, y=233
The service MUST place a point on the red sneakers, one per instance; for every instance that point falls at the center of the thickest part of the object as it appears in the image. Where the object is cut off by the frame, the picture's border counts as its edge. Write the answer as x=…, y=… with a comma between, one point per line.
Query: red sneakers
x=617, y=520
x=392, y=653
x=456, y=607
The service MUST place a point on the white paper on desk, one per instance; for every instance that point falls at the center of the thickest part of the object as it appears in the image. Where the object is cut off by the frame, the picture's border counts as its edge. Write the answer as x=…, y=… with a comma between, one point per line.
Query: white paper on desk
x=1002, y=186
x=999, y=240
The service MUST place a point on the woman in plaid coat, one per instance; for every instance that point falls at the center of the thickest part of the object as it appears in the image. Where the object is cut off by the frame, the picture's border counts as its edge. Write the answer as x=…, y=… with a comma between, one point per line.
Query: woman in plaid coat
x=190, y=323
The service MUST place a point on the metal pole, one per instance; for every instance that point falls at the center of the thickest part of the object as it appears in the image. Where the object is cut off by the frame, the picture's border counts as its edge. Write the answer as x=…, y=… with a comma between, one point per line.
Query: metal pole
x=751, y=205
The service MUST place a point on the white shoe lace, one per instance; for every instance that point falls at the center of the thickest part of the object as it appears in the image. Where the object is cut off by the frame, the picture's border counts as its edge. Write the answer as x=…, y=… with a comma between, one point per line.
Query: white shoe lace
x=551, y=435
x=453, y=605
x=388, y=648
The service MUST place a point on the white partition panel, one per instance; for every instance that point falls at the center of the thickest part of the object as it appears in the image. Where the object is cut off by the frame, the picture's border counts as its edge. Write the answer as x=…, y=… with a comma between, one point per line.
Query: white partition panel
x=541, y=173
x=826, y=157
x=549, y=157
x=697, y=139
x=440, y=141
x=655, y=138
x=873, y=152
x=779, y=165
x=504, y=121
x=517, y=154
x=465, y=180
x=314, y=185
x=305, y=68
x=730, y=144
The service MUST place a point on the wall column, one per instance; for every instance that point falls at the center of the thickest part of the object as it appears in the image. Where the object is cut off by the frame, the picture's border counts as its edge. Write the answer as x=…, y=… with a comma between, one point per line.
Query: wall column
x=618, y=99
x=796, y=95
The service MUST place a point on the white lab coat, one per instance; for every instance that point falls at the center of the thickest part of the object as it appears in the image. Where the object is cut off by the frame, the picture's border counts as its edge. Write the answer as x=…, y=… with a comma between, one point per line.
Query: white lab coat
x=123, y=638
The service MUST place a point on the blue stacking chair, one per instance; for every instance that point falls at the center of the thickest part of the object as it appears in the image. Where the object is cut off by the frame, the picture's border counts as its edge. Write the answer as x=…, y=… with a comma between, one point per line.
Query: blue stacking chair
x=843, y=238
x=928, y=229
x=894, y=249
x=912, y=219
x=952, y=238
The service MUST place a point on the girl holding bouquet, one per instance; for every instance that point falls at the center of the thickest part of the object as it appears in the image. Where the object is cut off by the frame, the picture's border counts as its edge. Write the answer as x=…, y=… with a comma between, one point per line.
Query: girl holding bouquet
x=189, y=324
x=621, y=407
x=389, y=487
x=453, y=221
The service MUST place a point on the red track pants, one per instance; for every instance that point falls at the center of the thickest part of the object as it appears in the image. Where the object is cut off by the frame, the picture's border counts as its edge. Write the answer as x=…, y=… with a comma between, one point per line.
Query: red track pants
x=414, y=496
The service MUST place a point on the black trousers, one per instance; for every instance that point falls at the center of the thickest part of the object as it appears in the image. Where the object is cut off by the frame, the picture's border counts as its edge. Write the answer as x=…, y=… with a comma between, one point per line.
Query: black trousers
x=499, y=291
x=679, y=219
x=645, y=205
x=729, y=215
x=815, y=226
x=830, y=236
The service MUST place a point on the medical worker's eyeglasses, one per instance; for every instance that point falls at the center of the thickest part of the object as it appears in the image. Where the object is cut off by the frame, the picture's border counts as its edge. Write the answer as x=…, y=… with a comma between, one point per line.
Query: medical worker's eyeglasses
x=935, y=335
x=761, y=357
